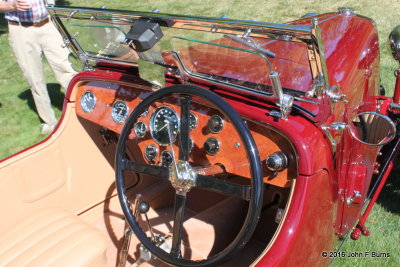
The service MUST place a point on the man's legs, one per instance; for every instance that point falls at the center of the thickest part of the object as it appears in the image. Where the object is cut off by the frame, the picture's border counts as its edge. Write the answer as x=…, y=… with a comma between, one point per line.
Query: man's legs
x=56, y=55
x=25, y=44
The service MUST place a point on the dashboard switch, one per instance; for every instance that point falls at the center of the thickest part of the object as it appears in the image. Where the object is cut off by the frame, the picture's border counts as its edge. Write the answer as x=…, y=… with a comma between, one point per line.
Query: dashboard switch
x=277, y=161
x=212, y=146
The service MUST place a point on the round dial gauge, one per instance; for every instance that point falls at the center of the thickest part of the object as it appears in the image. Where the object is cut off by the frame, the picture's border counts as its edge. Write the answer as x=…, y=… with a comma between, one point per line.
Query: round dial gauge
x=192, y=121
x=150, y=153
x=88, y=101
x=215, y=124
x=140, y=129
x=166, y=158
x=162, y=119
x=119, y=111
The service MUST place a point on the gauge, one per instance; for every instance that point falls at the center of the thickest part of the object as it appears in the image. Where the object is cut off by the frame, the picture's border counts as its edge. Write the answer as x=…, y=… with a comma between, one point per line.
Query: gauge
x=192, y=121
x=88, y=101
x=215, y=124
x=166, y=158
x=212, y=146
x=162, y=119
x=119, y=111
x=151, y=152
x=140, y=129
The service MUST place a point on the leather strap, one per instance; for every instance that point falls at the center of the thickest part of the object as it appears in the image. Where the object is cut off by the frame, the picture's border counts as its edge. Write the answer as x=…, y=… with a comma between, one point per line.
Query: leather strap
x=29, y=24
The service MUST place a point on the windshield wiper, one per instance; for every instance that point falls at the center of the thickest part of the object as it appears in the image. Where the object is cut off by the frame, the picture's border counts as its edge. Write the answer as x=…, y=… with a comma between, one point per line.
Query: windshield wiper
x=251, y=43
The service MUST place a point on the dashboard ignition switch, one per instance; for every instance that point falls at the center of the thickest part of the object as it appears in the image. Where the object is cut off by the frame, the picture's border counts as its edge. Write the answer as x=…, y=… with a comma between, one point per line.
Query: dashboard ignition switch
x=277, y=161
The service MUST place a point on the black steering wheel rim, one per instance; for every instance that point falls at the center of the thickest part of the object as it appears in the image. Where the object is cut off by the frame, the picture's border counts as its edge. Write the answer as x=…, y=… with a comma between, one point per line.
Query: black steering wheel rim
x=255, y=198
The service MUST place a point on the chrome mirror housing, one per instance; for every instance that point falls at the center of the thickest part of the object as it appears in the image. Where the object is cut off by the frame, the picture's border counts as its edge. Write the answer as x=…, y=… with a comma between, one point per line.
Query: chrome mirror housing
x=394, y=39
x=372, y=128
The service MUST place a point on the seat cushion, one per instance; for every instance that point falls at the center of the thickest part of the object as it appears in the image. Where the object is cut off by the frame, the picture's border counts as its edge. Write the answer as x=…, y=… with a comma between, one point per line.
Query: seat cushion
x=52, y=238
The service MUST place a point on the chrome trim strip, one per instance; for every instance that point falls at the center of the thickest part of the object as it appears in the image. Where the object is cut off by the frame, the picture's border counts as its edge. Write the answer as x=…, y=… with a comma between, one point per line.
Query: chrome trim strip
x=226, y=26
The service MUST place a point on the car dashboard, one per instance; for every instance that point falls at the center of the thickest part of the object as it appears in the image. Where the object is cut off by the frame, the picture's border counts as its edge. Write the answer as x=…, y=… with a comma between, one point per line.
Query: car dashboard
x=215, y=146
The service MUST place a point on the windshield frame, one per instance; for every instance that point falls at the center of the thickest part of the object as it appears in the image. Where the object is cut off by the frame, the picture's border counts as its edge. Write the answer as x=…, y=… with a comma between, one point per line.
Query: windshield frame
x=308, y=35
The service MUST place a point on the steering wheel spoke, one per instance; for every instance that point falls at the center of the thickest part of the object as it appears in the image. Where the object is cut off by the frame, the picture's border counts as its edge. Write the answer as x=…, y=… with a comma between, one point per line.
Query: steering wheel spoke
x=183, y=175
x=179, y=211
x=220, y=186
x=143, y=168
x=184, y=145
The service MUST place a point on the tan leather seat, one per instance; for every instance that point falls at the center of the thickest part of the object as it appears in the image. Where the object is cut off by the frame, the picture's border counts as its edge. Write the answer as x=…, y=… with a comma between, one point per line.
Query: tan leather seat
x=52, y=238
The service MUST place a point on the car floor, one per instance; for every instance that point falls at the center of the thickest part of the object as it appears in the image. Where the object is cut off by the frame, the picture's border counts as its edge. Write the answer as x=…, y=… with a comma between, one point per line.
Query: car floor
x=206, y=231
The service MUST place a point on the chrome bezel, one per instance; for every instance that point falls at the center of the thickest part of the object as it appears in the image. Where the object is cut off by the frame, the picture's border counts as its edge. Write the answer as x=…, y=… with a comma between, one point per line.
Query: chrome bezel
x=217, y=149
x=195, y=120
x=146, y=155
x=113, y=115
x=82, y=100
x=221, y=125
x=162, y=155
x=136, y=129
x=152, y=118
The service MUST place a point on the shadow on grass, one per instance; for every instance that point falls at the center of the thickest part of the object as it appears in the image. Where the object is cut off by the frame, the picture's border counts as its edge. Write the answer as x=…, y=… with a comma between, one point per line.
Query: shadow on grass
x=390, y=196
x=3, y=24
x=63, y=3
x=56, y=96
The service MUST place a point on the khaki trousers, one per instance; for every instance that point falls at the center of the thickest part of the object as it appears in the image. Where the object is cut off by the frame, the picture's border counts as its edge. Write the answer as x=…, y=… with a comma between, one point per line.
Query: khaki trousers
x=29, y=44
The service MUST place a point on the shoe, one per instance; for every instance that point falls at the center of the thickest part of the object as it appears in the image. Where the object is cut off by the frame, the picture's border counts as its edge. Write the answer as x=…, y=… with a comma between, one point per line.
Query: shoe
x=46, y=129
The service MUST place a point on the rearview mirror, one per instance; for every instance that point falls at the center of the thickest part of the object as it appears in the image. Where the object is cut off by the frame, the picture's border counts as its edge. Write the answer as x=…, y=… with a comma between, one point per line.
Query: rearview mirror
x=372, y=128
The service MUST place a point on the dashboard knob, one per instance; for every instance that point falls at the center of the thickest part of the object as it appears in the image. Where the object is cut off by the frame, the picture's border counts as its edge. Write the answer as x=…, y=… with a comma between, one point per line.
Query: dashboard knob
x=215, y=124
x=277, y=161
x=211, y=146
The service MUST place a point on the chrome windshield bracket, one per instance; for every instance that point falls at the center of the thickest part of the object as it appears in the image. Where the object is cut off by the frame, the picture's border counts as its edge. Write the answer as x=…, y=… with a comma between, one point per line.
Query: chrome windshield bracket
x=335, y=95
x=335, y=126
x=86, y=64
x=317, y=86
x=285, y=102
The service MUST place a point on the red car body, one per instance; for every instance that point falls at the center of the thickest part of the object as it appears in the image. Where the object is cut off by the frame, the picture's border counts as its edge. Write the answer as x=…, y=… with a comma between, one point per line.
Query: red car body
x=330, y=165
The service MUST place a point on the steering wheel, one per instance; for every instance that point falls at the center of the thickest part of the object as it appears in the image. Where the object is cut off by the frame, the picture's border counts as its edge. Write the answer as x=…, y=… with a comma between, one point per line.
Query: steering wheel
x=183, y=176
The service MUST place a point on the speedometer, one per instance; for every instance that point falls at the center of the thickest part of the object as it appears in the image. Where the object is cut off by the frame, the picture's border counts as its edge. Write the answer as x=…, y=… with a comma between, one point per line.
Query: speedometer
x=119, y=111
x=163, y=118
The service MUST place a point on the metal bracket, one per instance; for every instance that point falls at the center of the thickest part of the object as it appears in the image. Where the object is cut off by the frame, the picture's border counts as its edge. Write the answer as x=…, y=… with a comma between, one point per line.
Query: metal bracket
x=335, y=95
x=350, y=199
x=317, y=86
x=285, y=102
x=86, y=64
x=335, y=126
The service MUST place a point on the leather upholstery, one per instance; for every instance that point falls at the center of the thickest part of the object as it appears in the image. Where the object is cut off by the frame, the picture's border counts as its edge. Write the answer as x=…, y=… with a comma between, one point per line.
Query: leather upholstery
x=52, y=238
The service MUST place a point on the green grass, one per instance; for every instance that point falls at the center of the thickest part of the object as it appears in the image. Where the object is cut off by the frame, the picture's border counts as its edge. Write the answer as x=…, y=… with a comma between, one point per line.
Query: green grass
x=20, y=126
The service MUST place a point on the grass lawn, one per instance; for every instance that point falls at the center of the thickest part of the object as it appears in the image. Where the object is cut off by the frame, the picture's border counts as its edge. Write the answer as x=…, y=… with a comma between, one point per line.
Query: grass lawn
x=20, y=126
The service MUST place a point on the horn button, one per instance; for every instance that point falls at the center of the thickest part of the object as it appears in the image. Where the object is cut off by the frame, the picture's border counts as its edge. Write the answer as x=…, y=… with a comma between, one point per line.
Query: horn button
x=182, y=176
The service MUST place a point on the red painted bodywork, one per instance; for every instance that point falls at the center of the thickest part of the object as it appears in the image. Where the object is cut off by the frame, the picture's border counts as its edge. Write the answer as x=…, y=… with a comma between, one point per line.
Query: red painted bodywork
x=317, y=209
x=396, y=96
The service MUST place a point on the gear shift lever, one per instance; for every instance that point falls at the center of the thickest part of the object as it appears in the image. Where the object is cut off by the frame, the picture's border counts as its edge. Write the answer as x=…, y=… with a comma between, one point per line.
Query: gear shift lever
x=143, y=208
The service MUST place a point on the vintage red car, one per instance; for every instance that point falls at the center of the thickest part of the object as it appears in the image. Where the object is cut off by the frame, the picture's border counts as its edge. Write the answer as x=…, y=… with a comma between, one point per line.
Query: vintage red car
x=214, y=141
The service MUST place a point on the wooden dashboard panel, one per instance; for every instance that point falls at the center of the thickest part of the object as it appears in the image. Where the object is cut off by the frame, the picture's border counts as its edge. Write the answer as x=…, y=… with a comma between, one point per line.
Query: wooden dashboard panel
x=232, y=154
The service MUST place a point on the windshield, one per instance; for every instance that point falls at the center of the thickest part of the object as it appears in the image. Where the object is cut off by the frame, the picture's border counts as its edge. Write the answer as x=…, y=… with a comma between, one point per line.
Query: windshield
x=203, y=55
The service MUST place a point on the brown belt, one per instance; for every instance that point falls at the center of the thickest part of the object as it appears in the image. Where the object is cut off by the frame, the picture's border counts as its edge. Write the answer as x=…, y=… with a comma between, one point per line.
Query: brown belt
x=29, y=24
